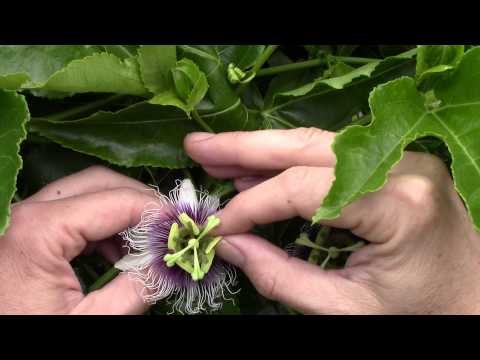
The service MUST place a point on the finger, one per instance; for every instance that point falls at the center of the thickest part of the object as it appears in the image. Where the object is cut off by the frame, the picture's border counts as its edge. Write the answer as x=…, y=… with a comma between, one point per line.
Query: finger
x=92, y=179
x=110, y=250
x=244, y=183
x=67, y=224
x=264, y=149
x=229, y=172
x=293, y=282
x=299, y=191
x=122, y=296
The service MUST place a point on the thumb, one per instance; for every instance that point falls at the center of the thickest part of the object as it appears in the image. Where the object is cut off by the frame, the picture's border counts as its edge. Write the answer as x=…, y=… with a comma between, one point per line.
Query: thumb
x=121, y=296
x=296, y=283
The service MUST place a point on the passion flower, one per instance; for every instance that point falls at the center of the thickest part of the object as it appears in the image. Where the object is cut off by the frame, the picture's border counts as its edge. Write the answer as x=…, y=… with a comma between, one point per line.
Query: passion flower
x=172, y=253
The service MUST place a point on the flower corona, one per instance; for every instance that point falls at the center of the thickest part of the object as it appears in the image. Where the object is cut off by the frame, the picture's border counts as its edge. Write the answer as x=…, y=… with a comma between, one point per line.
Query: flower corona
x=172, y=252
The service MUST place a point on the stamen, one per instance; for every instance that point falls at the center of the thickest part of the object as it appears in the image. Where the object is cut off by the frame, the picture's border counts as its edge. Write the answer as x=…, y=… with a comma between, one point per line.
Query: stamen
x=173, y=236
x=212, y=222
x=212, y=244
x=188, y=223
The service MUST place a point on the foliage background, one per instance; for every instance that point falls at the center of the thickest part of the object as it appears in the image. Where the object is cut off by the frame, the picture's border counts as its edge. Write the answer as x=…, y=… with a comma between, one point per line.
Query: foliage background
x=128, y=107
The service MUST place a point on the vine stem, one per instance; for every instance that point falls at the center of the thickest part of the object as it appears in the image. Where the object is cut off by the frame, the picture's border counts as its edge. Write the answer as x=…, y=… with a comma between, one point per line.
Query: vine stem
x=201, y=122
x=105, y=278
x=262, y=59
x=317, y=62
x=84, y=108
x=311, y=63
x=322, y=236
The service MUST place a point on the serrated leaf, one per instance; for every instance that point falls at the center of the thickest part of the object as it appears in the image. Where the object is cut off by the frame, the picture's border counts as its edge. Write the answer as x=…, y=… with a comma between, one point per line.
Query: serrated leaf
x=120, y=51
x=190, y=85
x=141, y=134
x=437, y=58
x=221, y=94
x=155, y=64
x=365, y=155
x=330, y=103
x=13, y=117
x=32, y=65
x=100, y=72
x=222, y=104
x=13, y=81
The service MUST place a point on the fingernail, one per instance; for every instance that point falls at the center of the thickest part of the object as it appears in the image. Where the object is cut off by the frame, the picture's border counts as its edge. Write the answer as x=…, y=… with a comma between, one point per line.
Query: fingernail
x=230, y=253
x=199, y=136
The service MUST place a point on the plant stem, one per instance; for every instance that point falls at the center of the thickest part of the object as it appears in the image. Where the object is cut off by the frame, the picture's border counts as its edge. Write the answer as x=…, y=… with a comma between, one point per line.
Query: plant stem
x=322, y=236
x=201, y=122
x=105, y=278
x=262, y=59
x=83, y=108
x=317, y=62
x=325, y=262
x=311, y=63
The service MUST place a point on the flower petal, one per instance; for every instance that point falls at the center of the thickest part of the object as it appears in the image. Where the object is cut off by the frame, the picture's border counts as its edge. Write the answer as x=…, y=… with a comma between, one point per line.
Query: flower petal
x=134, y=262
x=187, y=194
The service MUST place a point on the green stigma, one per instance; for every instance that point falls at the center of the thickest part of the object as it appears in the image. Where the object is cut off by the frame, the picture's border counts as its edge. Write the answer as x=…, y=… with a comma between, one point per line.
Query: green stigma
x=192, y=248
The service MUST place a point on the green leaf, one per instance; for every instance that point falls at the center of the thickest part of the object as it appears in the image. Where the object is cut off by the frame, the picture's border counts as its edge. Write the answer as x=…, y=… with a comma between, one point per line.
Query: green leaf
x=190, y=87
x=13, y=117
x=330, y=103
x=32, y=65
x=155, y=64
x=243, y=56
x=222, y=104
x=141, y=134
x=221, y=94
x=13, y=81
x=433, y=59
x=100, y=72
x=401, y=114
x=120, y=51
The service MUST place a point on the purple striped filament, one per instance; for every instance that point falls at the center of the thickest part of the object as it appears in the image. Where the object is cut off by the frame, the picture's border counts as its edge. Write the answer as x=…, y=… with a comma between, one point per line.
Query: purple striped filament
x=148, y=244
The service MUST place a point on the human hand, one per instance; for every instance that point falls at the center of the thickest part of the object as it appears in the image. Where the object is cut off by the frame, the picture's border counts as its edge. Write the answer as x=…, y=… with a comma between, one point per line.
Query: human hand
x=54, y=226
x=424, y=255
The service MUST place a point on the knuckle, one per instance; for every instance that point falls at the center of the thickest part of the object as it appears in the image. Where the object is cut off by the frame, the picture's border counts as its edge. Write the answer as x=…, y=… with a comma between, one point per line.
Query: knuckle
x=307, y=135
x=266, y=284
x=420, y=195
x=433, y=165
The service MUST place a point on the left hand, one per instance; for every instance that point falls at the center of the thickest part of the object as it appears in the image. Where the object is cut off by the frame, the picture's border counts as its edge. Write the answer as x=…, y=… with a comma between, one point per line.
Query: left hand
x=55, y=225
